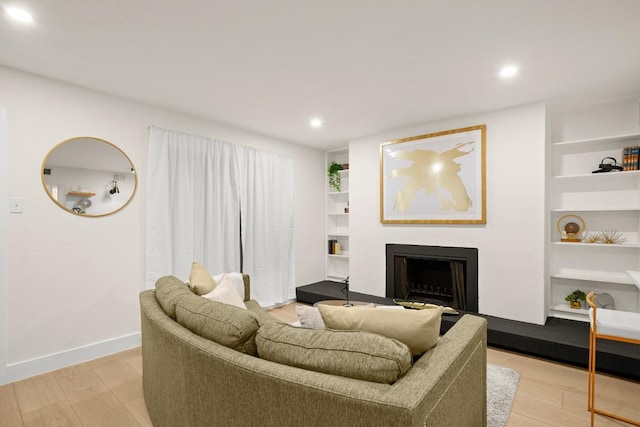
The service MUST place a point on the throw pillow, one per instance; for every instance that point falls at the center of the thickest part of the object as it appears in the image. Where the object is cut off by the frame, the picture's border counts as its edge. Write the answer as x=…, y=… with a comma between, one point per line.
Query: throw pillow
x=222, y=323
x=418, y=329
x=353, y=354
x=200, y=280
x=309, y=317
x=226, y=293
x=238, y=280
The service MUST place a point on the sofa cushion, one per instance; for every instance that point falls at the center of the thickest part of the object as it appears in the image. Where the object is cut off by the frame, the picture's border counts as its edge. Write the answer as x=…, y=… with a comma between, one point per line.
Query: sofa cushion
x=353, y=354
x=200, y=280
x=225, y=324
x=170, y=290
x=418, y=329
x=225, y=292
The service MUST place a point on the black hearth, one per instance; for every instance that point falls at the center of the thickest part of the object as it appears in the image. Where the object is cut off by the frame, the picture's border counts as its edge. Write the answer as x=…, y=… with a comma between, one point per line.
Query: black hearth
x=434, y=274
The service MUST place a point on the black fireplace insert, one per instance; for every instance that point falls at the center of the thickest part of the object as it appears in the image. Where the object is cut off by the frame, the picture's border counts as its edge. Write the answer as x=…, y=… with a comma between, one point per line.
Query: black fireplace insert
x=433, y=274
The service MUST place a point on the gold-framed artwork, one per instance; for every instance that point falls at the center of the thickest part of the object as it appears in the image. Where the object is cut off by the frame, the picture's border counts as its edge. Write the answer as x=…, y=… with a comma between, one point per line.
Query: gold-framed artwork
x=438, y=178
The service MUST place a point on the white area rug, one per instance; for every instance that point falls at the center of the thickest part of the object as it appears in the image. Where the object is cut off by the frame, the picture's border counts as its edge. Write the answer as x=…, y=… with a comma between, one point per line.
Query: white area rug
x=501, y=390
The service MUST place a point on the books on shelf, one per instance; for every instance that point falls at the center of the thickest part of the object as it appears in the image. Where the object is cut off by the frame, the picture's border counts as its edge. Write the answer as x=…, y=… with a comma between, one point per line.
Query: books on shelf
x=334, y=247
x=631, y=158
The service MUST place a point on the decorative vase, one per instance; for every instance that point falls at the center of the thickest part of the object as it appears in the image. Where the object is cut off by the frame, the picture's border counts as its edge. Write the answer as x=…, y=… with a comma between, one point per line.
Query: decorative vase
x=575, y=304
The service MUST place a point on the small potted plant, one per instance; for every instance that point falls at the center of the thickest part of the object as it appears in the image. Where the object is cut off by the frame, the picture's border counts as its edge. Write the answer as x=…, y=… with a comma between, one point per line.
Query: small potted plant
x=334, y=176
x=576, y=298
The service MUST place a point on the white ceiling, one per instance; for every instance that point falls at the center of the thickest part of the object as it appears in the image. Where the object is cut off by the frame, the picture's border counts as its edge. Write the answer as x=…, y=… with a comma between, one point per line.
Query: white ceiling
x=364, y=66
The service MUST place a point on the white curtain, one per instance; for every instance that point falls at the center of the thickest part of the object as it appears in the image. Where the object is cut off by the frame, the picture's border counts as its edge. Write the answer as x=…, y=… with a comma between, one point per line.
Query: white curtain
x=198, y=191
x=193, y=205
x=267, y=224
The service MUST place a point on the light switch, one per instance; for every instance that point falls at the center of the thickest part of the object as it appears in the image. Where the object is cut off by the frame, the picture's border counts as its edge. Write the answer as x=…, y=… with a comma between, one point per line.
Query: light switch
x=15, y=205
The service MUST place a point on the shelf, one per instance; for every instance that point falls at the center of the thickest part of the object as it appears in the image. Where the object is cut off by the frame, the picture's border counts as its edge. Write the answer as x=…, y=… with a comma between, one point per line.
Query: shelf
x=339, y=277
x=600, y=245
x=564, y=307
x=338, y=234
x=337, y=214
x=597, y=176
x=602, y=140
x=563, y=311
x=635, y=277
x=596, y=276
x=344, y=255
x=80, y=194
x=598, y=210
x=338, y=193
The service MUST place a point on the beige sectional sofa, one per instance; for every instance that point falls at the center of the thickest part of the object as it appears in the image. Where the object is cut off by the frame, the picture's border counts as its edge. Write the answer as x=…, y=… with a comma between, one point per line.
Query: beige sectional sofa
x=202, y=367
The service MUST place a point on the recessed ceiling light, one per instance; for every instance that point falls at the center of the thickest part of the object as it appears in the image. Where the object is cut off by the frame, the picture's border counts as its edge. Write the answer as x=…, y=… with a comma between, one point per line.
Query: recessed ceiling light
x=315, y=122
x=508, y=71
x=19, y=15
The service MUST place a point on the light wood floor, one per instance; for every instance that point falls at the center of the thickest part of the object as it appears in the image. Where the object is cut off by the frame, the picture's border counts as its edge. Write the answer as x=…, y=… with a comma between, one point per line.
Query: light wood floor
x=108, y=392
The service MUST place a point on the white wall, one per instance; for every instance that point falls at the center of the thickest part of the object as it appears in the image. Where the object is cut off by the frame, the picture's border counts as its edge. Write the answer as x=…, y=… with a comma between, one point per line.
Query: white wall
x=73, y=282
x=4, y=213
x=609, y=118
x=511, y=246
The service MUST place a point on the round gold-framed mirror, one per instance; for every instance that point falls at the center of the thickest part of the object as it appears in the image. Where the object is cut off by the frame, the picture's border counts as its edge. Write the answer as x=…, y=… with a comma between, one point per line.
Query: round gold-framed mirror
x=89, y=176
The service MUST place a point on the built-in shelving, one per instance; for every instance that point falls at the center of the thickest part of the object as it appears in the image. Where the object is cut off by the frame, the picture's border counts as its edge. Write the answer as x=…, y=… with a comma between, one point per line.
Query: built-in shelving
x=605, y=201
x=337, y=218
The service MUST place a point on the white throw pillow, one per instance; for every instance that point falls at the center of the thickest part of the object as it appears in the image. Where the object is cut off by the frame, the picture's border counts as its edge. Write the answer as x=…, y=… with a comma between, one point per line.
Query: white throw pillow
x=418, y=329
x=236, y=278
x=225, y=293
x=309, y=317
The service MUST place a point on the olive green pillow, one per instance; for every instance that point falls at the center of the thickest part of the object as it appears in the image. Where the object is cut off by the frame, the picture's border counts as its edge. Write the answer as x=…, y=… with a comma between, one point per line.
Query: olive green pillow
x=225, y=324
x=170, y=290
x=418, y=329
x=353, y=354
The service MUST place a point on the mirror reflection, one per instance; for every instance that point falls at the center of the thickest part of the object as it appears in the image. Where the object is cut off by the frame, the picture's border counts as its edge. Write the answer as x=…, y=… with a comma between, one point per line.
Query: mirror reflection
x=89, y=176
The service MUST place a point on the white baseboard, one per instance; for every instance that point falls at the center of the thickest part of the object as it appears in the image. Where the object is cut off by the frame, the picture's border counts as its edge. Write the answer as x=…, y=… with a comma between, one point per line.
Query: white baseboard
x=40, y=365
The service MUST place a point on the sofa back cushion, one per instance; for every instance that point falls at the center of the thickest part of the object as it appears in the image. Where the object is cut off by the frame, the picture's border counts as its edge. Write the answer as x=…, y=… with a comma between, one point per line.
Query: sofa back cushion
x=352, y=354
x=170, y=290
x=225, y=324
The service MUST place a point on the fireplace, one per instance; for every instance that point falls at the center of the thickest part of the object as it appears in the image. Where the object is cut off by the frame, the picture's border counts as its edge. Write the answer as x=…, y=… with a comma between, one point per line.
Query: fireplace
x=434, y=274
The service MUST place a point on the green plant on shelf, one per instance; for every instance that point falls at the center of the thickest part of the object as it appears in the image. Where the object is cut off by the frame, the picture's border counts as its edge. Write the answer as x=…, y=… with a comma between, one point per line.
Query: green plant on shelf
x=576, y=298
x=335, y=181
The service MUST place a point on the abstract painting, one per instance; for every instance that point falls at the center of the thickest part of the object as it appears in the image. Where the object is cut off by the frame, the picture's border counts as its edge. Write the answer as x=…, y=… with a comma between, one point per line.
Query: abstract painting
x=438, y=178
